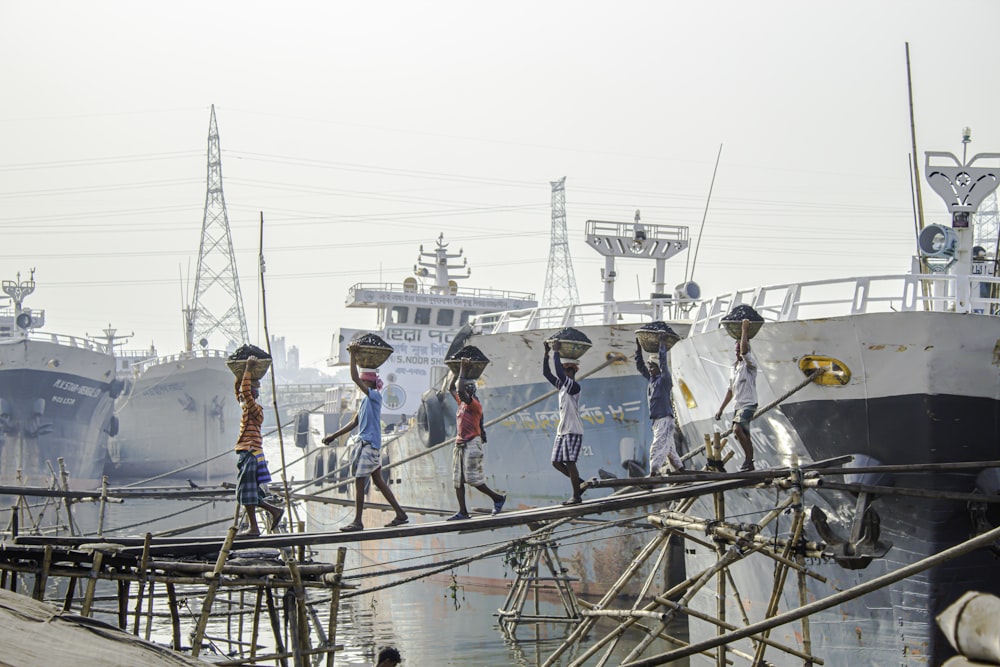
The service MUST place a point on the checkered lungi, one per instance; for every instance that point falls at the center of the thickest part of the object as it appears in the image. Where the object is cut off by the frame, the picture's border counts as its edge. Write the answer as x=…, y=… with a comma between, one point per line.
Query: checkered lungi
x=467, y=463
x=566, y=448
x=365, y=459
x=247, y=487
x=263, y=472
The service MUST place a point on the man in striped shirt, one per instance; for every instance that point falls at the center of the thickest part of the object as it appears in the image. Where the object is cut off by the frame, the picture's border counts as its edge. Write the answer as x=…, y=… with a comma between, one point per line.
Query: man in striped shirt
x=248, y=446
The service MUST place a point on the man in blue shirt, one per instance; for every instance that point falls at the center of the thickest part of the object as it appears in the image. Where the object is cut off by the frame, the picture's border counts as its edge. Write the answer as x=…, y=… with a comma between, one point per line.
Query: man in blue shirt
x=661, y=411
x=366, y=457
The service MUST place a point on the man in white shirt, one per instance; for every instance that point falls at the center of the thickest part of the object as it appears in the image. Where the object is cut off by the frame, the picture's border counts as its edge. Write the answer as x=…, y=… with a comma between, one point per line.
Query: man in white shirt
x=742, y=387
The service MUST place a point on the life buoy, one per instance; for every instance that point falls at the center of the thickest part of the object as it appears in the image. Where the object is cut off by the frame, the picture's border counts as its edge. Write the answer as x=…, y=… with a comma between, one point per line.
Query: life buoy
x=431, y=419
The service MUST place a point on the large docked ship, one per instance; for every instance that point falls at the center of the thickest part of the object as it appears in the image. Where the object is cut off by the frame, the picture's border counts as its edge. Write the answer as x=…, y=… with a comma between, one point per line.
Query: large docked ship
x=177, y=415
x=911, y=380
x=56, y=398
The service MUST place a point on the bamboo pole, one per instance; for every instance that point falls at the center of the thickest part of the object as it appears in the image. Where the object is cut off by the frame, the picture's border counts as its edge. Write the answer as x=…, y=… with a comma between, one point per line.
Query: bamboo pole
x=331, y=633
x=42, y=577
x=64, y=476
x=213, y=585
x=175, y=619
x=719, y=500
x=88, y=597
x=70, y=589
x=149, y=609
x=300, y=640
x=272, y=614
x=274, y=387
x=123, y=595
x=255, y=624
x=143, y=564
x=104, y=505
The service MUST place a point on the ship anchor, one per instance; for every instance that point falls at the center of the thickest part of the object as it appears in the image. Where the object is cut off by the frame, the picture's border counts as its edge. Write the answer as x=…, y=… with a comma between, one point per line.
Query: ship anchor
x=857, y=551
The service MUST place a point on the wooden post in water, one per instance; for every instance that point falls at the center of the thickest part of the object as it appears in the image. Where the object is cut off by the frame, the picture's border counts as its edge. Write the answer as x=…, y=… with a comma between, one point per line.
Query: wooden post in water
x=141, y=574
x=43, y=574
x=64, y=476
x=272, y=613
x=255, y=629
x=301, y=641
x=123, y=590
x=104, y=505
x=336, y=580
x=719, y=500
x=213, y=586
x=88, y=597
x=70, y=589
x=175, y=619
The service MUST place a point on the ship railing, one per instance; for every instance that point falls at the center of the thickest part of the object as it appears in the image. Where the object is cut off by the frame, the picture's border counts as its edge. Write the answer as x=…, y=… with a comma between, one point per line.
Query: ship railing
x=81, y=342
x=979, y=295
x=141, y=366
x=584, y=314
x=419, y=288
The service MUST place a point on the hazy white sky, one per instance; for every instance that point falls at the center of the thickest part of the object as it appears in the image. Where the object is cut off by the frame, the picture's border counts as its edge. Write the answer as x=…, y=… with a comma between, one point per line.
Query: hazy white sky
x=362, y=130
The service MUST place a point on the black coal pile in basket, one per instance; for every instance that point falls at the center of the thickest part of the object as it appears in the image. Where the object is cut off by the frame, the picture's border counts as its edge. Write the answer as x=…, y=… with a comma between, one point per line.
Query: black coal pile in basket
x=658, y=326
x=244, y=352
x=570, y=334
x=470, y=352
x=743, y=312
x=370, y=340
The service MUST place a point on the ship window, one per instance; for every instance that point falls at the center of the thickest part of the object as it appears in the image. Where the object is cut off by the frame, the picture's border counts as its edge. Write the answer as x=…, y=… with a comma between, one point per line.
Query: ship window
x=466, y=316
x=422, y=316
x=399, y=314
x=445, y=317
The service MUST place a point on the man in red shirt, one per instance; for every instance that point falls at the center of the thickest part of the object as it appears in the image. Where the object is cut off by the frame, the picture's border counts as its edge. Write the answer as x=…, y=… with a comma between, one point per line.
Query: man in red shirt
x=467, y=460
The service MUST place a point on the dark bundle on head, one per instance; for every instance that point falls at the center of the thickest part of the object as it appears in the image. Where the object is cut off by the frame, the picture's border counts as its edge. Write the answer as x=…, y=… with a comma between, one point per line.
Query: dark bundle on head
x=470, y=352
x=370, y=340
x=244, y=352
x=570, y=334
x=658, y=326
x=743, y=312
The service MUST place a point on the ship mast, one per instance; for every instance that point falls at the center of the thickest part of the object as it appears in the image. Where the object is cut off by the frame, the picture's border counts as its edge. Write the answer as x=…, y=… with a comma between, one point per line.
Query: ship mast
x=963, y=185
x=17, y=290
x=444, y=279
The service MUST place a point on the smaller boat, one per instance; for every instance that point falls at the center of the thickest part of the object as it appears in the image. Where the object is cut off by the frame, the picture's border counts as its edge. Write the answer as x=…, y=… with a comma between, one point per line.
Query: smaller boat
x=56, y=397
x=178, y=415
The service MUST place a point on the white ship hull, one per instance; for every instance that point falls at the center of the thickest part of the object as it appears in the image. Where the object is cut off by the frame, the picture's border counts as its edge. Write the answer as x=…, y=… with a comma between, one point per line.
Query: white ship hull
x=180, y=410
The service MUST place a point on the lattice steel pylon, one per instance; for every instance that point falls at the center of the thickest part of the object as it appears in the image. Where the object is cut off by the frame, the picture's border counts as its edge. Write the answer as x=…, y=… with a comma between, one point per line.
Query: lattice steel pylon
x=217, y=285
x=987, y=225
x=560, y=283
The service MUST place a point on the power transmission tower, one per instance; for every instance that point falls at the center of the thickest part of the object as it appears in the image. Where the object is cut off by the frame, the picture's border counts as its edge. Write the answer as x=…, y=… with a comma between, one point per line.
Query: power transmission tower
x=560, y=283
x=987, y=225
x=216, y=286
